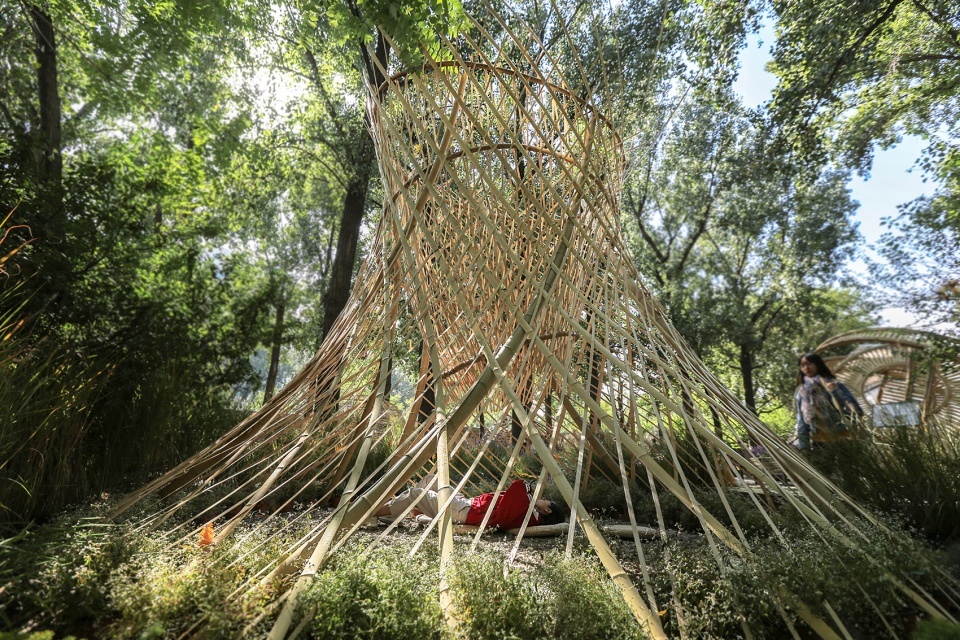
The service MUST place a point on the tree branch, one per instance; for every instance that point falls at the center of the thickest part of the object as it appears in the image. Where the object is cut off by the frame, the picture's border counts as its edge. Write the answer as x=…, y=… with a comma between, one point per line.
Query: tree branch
x=80, y=113
x=294, y=72
x=761, y=309
x=721, y=254
x=652, y=243
x=656, y=252
x=321, y=87
x=556, y=35
x=940, y=22
x=701, y=227
x=927, y=57
x=848, y=55
x=320, y=160
x=769, y=323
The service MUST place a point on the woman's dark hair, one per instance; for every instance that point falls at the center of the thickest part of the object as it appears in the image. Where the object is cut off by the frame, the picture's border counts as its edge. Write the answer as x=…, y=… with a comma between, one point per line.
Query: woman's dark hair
x=822, y=369
x=557, y=514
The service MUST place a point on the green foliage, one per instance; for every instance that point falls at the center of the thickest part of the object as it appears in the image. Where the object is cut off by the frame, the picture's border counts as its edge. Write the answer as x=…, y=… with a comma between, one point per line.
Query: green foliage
x=678, y=517
x=174, y=417
x=34, y=635
x=706, y=596
x=149, y=299
x=413, y=26
x=559, y=599
x=859, y=75
x=919, y=246
x=911, y=474
x=382, y=595
x=57, y=409
x=936, y=630
x=715, y=601
x=744, y=252
x=155, y=597
x=782, y=420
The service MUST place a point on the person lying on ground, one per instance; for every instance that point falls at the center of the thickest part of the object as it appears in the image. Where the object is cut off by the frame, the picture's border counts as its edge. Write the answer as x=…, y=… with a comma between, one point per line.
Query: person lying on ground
x=507, y=513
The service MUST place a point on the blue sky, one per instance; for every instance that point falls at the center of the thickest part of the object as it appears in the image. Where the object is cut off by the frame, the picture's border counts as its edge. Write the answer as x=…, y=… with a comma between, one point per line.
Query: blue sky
x=891, y=181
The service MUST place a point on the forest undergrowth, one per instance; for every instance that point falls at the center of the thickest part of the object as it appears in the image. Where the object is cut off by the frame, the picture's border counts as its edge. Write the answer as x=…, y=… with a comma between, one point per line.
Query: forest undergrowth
x=84, y=577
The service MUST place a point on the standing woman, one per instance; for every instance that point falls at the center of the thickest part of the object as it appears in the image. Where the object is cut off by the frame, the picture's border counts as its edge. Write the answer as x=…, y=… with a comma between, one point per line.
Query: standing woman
x=824, y=404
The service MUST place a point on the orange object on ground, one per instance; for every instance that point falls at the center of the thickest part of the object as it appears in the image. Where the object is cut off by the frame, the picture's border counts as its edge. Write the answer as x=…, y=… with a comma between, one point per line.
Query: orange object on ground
x=206, y=535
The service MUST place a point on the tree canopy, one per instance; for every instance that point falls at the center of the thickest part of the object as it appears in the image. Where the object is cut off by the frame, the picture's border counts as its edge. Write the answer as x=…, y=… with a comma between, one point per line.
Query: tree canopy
x=198, y=180
x=856, y=76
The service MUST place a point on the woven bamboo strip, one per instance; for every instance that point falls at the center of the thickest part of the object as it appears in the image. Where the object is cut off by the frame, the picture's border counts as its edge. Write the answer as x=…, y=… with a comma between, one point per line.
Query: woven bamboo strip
x=500, y=244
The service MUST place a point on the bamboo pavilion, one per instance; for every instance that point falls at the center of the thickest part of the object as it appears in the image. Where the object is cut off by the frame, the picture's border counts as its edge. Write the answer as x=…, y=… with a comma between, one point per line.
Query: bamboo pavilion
x=499, y=281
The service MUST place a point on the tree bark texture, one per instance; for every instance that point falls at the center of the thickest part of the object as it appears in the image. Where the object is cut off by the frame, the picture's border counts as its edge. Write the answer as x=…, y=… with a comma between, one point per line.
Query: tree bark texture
x=276, y=344
x=746, y=372
x=351, y=218
x=354, y=206
x=49, y=160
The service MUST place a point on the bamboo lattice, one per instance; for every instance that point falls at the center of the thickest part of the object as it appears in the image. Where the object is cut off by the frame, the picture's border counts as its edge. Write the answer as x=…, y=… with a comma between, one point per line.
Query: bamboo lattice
x=499, y=284
x=888, y=366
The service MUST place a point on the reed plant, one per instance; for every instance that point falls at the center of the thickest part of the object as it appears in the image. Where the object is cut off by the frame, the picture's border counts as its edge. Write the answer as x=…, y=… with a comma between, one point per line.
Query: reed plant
x=910, y=473
x=44, y=406
x=75, y=425
x=45, y=399
x=146, y=422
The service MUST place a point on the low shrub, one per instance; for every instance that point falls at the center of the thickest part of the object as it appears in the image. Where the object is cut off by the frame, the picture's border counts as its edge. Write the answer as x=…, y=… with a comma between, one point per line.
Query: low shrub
x=911, y=473
x=936, y=630
x=604, y=498
x=53, y=576
x=705, y=600
x=89, y=579
x=84, y=578
x=563, y=599
x=385, y=594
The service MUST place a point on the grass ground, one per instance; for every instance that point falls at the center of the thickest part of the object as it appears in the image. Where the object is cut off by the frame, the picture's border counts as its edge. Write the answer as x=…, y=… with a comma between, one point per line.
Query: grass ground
x=80, y=577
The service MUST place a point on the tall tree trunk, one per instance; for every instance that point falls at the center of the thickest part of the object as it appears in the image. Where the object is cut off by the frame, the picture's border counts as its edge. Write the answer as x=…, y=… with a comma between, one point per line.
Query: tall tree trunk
x=45, y=212
x=516, y=425
x=354, y=204
x=49, y=161
x=746, y=373
x=428, y=403
x=277, y=343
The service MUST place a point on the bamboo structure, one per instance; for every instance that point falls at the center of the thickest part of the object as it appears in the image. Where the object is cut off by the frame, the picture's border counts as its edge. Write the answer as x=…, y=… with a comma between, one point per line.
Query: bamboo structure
x=899, y=366
x=498, y=284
